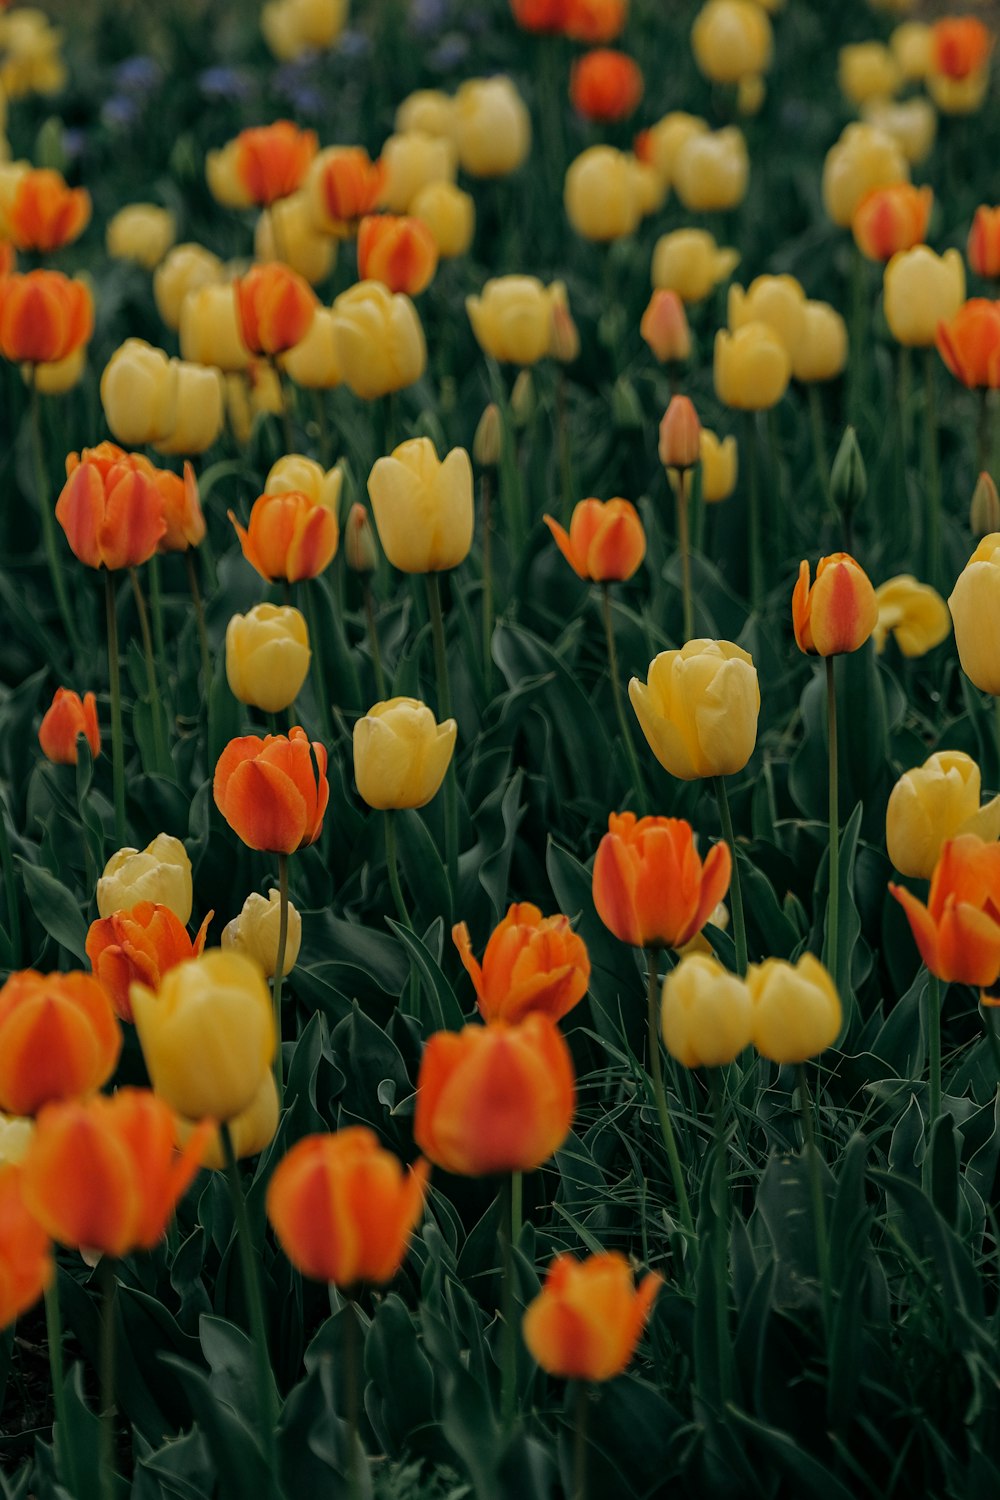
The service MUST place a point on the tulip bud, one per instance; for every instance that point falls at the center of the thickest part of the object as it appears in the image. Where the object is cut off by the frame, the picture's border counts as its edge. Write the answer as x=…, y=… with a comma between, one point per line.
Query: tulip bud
x=487, y=445
x=64, y=722
x=984, y=512
x=565, y=344
x=707, y=1015
x=848, y=476
x=665, y=328
x=522, y=399
x=680, y=435
x=975, y=609
x=606, y=541
x=839, y=611
x=586, y=1321
x=256, y=931
x=360, y=551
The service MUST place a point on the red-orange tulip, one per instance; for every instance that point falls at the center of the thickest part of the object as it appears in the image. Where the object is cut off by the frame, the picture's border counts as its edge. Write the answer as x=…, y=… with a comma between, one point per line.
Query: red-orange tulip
x=271, y=160
x=494, y=1098
x=605, y=85
x=347, y=183
x=58, y=1038
x=26, y=1264
x=680, y=434
x=594, y=21
x=105, y=1174
x=398, y=251
x=290, y=536
x=540, y=15
x=960, y=45
x=983, y=249
x=665, y=327
x=45, y=214
x=890, y=219
x=344, y=1209
x=650, y=888
x=138, y=947
x=182, y=512
x=111, y=508
x=66, y=719
x=532, y=963
x=958, y=931
x=44, y=317
x=274, y=308
x=970, y=343
x=586, y=1321
x=606, y=541
x=273, y=792
x=839, y=611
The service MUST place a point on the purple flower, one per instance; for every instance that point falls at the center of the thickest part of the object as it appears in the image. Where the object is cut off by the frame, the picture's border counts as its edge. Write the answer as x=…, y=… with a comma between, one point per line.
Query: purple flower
x=226, y=84
x=138, y=75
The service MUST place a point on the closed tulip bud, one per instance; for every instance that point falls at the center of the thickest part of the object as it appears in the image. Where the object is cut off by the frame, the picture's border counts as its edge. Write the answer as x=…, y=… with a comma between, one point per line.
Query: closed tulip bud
x=379, y=340
x=343, y=1208
x=680, y=435
x=913, y=613
x=752, y=367
x=410, y=162
x=665, y=328
x=492, y=127
x=594, y=21
x=732, y=40
x=428, y=110
x=707, y=1015
x=63, y=722
x=449, y=214
x=719, y=463
x=983, y=248
x=910, y=44
x=699, y=709
x=250, y=1132
x=975, y=613
x=512, y=318
x=958, y=931
x=921, y=290
x=423, y=506
x=487, y=445
x=198, y=418
x=110, y=508
x=532, y=963
x=960, y=47
x=26, y=1263
x=523, y=401
x=933, y=803
x=565, y=343
x=586, y=1321
x=689, y=262
x=494, y=1098
x=848, y=475
x=867, y=70
x=890, y=219
x=290, y=536
x=184, y=269
x=606, y=541
x=821, y=352
x=838, y=612
x=712, y=170
x=778, y=301
x=287, y=232
x=38, y=212
x=398, y=251
x=603, y=194
x=863, y=158
x=605, y=85
x=796, y=1009
x=161, y=872
x=401, y=754
x=750, y=95
x=984, y=512
x=138, y=947
x=293, y=28
x=274, y=308
x=142, y=232
x=912, y=124
x=256, y=931
x=313, y=362
x=139, y=393
x=343, y=185
x=58, y=1038
x=661, y=144
x=360, y=552
x=273, y=793
x=224, y=180
x=970, y=343
x=44, y=317
x=272, y=160
x=267, y=656
x=210, y=328
x=626, y=408
x=649, y=886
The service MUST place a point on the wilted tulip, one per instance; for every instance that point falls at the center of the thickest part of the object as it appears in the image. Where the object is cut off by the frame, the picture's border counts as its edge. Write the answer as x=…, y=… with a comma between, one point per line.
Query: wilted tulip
x=586, y=1321
x=532, y=963
x=64, y=721
x=401, y=754
x=267, y=656
x=273, y=793
x=699, y=708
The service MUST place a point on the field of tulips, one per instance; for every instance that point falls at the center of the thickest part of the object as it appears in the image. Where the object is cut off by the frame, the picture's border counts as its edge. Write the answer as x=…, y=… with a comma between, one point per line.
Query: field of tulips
x=499, y=750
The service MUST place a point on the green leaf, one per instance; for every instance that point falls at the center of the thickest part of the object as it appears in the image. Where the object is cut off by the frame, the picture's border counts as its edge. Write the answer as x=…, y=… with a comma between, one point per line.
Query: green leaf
x=56, y=908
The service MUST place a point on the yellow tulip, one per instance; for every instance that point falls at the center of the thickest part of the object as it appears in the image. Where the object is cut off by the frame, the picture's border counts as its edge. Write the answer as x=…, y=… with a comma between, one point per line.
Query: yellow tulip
x=920, y=290
x=512, y=318
x=428, y=110
x=712, y=170
x=200, y=410
x=706, y=1015
x=293, y=27
x=449, y=214
x=249, y=1132
x=139, y=393
x=378, y=339
x=257, y=929
x=224, y=181
x=142, y=232
x=959, y=96
x=492, y=127
x=732, y=40
x=423, y=506
x=57, y=376
x=862, y=159
x=867, y=70
x=267, y=656
x=297, y=472
x=287, y=232
x=248, y=395
x=161, y=872
x=821, y=351
x=662, y=142
x=975, y=613
x=699, y=709
x=752, y=367
x=210, y=330
x=778, y=301
x=690, y=263
x=16, y=1135
x=718, y=467
x=603, y=194
x=912, y=123
x=411, y=161
x=913, y=612
x=910, y=44
x=184, y=269
x=933, y=803
x=312, y=363
x=796, y=1009
x=401, y=754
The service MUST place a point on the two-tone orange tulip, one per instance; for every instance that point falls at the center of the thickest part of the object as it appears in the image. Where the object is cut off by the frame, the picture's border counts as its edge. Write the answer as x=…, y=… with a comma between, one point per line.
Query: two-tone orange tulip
x=606, y=541
x=960, y=46
x=273, y=792
x=43, y=213
x=58, y=1038
x=650, y=887
x=665, y=328
x=397, y=250
x=532, y=963
x=290, y=536
x=594, y=21
x=44, y=317
x=272, y=160
x=586, y=1321
x=891, y=219
x=26, y=1264
x=138, y=947
x=680, y=435
x=495, y=1098
x=344, y=185
x=970, y=343
x=983, y=247
x=64, y=721
x=839, y=611
x=605, y=85
x=958, y=931
x=540, y=15
x=274, y=308
x=343, y=1208
x=182, y=512
x=111, y=508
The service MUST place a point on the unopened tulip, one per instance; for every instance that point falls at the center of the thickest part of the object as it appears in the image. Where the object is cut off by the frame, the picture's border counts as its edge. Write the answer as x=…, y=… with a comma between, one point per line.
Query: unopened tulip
x=138, y=946
x=913, y=613
x=719, y=462
x=958, y=931
x=975, y=613
x=712, y=170
x=494, y=1098
x=410, y=161
x=287, y=232
x=605, y=85
x=38, y=212
x=983, y=249
x=984, y=509
x=110, y=508
x=564, y=345
x=539, y=15
x=512, y=319
x=752, y=367
x=912, y=124
x=491, y=127
x=267, y=656
x=587, y=1319
x=360, y=551
x=933, y=803
x=603, y=194
x=184, y=269
x=210, y=328
x=778, y=301
x=665, y=328
x=732, y=40
x=64, y=721
x=26, y=1263
x=921, y=290
x=707, y=1014
x=838, y=612
x=272, y=792
x=44, y=317
x=379, y=340
x=57, y=377
x=821, y=350
x=891, y=219
x=594, y=21
x=293, y=28
x=198, y=417
x=58, y=1038
x=274, y=308
x=449, y=214
x=606, y=541
x=531, y=963
x=313, y=362
x=867, y=70
x=689, y=262
x=960, y=47
x=863, y=158
x=343, y=185
x=969, y=343
x=796, y=1009
x=650, y=888
x=256, y=931
x=289, y=536
x=399, y=251
x=142, y=232
x=661, y=144
x=910, y=44
x=680, y=435
x=699, y=709
x=139, y=393
x=429, y=110
x=272, y=160
x=161, y=872
x=423, y=506
x=401, y=754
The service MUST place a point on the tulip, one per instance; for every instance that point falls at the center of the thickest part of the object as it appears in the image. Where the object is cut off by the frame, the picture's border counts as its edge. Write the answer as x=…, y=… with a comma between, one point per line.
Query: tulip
x=57, y=378
x=344, y=185
x=707, y=1015
x=933, y=803
x=410, y=162
x=249, y=1133
x=605, y=85
x=16, y=1135
x=142, y=232
x=399, y=252
x=594, y=21
x=273, y=793
x=958, y=931
x=271, y=160
x=915, y=613
x=287, y=232
x=58, y=1038
x=649, y=886
x=378, y=339
x=210, y=328
x=401, y=754
x=512, y=318
x=910, y=45
x=912, y=124
x=603, y=194
x=138, y=946
x=532, y=963
x=256, y=932
x=984, y=508
x=969, y=343
x=732, y=40
x=293, y=28
x=63, y=722
x=491, y=127
x=868, y=70
x=661, y=145
x=821, y=350
x=110, y=509
x=44, y=317
x=778, y=301
x=27, y=1268
x=184, y=269
x=796, y=1009
x=254, y=393
x=494, y=1098
x=313, y=362
x=680, y=435
x=712, y=170
x=289, y=536
x=423, y=506
x=38, y=212
x=606, y=541
x=960, y=47
x=665, y=328
x=891, y=219
x=267, y=656
x=539, y=15
x=198, y=417
x=586, y=1321
x=719, y=462
x=975, y=613
x=838, y=612
x=139, y=393
x=752, y=367
x=921, y=290
x=449, y=214
x=274, y=308
x=161, y=873
x=699, y=709
x=428, y=110
x=863, y=158
x=225, y=182
x=689, y=262
x=344, y=1209
x=983, y=249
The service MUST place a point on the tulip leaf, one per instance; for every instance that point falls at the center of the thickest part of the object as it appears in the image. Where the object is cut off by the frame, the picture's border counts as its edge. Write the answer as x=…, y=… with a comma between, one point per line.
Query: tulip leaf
x=239, y=1461
x=56, y=908
x=446, y=1012
x=805, y=1474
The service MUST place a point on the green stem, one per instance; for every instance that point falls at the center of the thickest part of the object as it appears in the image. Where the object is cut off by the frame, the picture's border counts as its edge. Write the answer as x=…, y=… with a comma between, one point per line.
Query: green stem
x=616, y=692
x=516, y=1206
x=286, y=416
x=10, y=887
x=859, y=346
x=684, y=547
x=316, y=647
x=115, y=684
x=989, y=1024
x=444, y=712
x=721, y=1243
x=156, y=607
x=660, y=1095
x=934, y=1047
x=199, y=615
x=821, y=457
x=932, y=471
x=508, y=1346
x=47, y=515
x=152, y=683
x=565, y=450
x=279, y=1062
x=581, y=1407
x=739, y=919
x=373, y=642
x=392, y=865
x=352, y=1381
x=65, y=1460
x=486, y=491
x=818, y=1200
x=753, y=518
x=106, y=1272
x=833, y=902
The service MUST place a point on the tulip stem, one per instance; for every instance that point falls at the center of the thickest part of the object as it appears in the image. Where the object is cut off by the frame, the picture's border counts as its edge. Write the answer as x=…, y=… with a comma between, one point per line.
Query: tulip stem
x=934, y=1047
x=989, y=1025
x=753, y=516
x=516, y=1206
x=581, y=1408
x=616, y=693
x=508, y=1343
x=816, y=1193
x=106, y=1276
x=286, y=416
x=352, y=1381
x=156, y=607
x=279, y=972
x=486, y=490
x=10, y=887
x=721, y=1234
x=392, y=865
x=821, y=457
x=47, y=514
x=373, y=641
x=833, y=901
x=739, y=919
x=565, y=450
x=932, y=471
x=684, y=547
x=65, y=1465
x=659, y=1093
x=199, y=615
x=316, y=648
x=163, y=764
x=444, y=710
x=115, y=684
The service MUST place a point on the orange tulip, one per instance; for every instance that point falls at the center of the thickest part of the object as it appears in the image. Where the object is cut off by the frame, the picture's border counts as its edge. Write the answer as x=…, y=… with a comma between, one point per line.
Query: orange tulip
x=274, y=308
x=983, y=250
x=290, y=536
x=605, y=85
x=960, y=45
x=8, y=260
x=606, y=542
x=346, y=185
x=594, y=21
x=44, y=214
x=958, y=931
x=665, y=327
x=271, y=160
x=58, y=1038
x=650, y=887
x=67, y=718
x=970, y=343
x=44, y=317
x=532, y=963
x=343, y=1208
x=839, y=611
x=111, y=508
x=494, y=1098
x=138, y=947
x=182, y=512
x=104, y=1173
x=26, y=1264
x=890, y=219
x=273, y=792
x=680, y=435
x=540, y=15
x=586, y=1321
x=398, y=251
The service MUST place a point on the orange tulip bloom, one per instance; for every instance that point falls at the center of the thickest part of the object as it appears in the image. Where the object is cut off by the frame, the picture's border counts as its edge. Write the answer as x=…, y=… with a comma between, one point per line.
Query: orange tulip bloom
x=650, y=887
x=271, y=160
x=495, y=1098
x=26, y=1264
x=273, y=792
x=44, y=317
x=274, y=308
x=586, y=1321
x=398, y=251
x=111, y=508
x=890, y=219
x=290, y=536
x=665, y=327
x=44, y=213
x=680, y=435
x=58, y=1038
x=105, y=1173
x=605, y=85
x=344, y=1209
x=983, y=249
x=594, y=21
x=182, y=512
x=540, y=15
x=532, y=963
x=839, y=611
x=605, y=542
x=348, y=183
x=958, y=931
x=67, y=718
x=970, y=343
x=8, y=260
x=960, y=45
x=139, y=947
